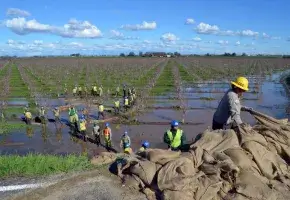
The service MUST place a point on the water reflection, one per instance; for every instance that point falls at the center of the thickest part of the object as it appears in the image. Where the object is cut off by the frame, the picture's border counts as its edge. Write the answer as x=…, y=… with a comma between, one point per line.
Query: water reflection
x=44, y=134
x=58, y=134
x=29, y=131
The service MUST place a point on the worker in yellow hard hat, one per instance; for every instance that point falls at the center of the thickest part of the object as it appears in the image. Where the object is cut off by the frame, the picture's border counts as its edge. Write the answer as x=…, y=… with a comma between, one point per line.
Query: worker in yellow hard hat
x=227, y=115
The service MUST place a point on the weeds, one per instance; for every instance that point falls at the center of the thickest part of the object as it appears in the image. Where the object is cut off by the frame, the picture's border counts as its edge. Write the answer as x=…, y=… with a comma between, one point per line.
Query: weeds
x=33, y=165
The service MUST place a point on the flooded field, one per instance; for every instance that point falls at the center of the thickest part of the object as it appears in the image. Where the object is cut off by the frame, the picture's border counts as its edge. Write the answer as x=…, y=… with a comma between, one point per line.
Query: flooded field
x=270, y=98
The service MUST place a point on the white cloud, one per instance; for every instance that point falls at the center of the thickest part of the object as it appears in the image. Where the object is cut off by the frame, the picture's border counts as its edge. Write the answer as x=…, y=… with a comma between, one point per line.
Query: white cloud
x=248, y=33
x=38, y=42
x=74, y=28
x=223, y=42
x=265, y=35
x=169, y=37
x=197, y=39
x=144, y=26
x=204, y=28
x=116, y=35
x=238, y=43
x=189, y=21
x=17, y=12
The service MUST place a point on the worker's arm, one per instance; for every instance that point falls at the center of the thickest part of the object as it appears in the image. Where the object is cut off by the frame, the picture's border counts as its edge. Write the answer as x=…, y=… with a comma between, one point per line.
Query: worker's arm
x=121, y=143
x=235, y=108
x=166, y=138
x=129, y=140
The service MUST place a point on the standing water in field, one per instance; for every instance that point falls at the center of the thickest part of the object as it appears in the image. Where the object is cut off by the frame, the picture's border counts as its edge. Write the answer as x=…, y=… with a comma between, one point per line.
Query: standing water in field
x=270, y=98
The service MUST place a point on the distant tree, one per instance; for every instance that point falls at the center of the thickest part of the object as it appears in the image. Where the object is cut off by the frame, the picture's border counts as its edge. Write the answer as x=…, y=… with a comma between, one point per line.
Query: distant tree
x=122, y=55
x=75, y=55
x=244, y=54
x=140, y=53
x=177, y=54
x=131, y=53
x=234, y=54
x=207, y=54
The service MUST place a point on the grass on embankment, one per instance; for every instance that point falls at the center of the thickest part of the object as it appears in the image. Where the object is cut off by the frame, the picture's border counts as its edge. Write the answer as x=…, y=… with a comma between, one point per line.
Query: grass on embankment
x=33, y=165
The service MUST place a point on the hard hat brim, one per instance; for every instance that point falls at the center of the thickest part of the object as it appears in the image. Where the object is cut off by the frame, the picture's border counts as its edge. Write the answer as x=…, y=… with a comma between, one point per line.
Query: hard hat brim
x=237, y=85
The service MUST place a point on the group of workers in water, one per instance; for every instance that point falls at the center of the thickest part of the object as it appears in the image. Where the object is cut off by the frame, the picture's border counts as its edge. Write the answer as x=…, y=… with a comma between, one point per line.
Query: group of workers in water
x=226, y=116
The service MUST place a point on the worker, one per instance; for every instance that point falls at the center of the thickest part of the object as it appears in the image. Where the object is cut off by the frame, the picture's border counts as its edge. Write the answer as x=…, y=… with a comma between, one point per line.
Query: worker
x=129, y=92
x=80, y=91
x=126, y=103
x=117, y=106
x=101, y=91
x=28, y=117
x=145, y=146
x=85, y=113
x=133, y=91
x=131, y=100
x=96, y=134
x=101, y=111
x=75, y=91
x=174, y=137
x=73, y=117
x=124, y=90
x=125, y=142
x=117, y=91
x=107, y=133
x=227, y=115
x=83, y=129
x=95, y=90
x=127, y=149
x=56, y=113
x=41, y=112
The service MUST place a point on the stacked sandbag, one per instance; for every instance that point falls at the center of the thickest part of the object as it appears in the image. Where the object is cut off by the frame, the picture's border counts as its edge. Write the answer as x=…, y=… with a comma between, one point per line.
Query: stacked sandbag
x=249, y=164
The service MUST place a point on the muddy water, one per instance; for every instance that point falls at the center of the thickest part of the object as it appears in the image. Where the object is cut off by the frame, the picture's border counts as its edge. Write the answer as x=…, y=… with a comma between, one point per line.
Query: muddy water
x=271, y=100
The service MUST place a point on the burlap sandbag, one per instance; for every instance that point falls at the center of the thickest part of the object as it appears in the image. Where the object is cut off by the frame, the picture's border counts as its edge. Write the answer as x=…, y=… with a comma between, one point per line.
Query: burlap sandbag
x=145, y=170
x=103, y=158
x=249, y=185
x=268, y=162
x=239, y=157
x=176, y=175
x=207, y=188
x=156, y=155
x=177, y=195
x=217, y=141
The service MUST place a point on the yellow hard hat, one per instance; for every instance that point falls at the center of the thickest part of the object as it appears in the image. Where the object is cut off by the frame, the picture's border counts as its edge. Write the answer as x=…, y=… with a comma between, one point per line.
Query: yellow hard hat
x=242, y=83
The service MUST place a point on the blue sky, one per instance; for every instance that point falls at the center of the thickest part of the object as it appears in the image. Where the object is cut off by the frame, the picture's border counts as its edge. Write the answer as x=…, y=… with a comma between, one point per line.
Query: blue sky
x=45, y=27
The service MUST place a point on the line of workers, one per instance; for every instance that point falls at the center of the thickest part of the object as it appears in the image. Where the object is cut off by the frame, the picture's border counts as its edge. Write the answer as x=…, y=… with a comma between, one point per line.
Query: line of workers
x=226, y=116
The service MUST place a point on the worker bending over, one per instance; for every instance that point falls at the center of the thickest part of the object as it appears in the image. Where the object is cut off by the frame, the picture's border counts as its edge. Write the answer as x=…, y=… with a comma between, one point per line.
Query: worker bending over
x=28, y=117
x=107, y=133
x=144, y=147
x=174, y=137
x=56, y=113
x=125, y=143
x=227, y=115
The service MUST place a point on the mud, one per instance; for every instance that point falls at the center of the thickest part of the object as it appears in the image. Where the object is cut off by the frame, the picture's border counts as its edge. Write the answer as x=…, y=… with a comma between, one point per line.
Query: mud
x=272, y=100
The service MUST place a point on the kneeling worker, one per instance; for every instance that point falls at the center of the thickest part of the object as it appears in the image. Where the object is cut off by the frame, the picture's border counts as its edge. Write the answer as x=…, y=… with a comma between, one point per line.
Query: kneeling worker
x=175, y=137
x=145, y=146
x=228, y=112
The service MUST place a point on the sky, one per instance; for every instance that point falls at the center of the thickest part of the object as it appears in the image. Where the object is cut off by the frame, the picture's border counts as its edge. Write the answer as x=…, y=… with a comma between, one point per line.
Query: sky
x=94, y=27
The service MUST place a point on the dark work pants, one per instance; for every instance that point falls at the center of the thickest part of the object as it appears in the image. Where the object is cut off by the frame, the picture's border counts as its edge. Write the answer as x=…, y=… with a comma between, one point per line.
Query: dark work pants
x=216, y=126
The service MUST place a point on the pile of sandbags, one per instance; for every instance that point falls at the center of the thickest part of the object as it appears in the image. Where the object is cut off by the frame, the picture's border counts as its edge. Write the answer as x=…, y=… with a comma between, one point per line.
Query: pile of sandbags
x=249, y=164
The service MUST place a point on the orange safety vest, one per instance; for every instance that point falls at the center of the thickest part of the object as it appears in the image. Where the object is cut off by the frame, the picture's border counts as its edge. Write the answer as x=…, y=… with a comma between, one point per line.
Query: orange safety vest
x=107, y=132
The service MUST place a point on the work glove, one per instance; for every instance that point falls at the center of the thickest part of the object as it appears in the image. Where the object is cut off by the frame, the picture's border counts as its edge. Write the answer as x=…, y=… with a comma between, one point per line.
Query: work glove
x=247, y=109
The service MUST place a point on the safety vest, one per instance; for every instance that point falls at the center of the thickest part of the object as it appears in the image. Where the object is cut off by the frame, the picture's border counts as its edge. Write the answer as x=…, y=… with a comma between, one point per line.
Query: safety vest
x=107, y=132
x=80, y=88
x=72, y=112
x=95, y=88
x=125, y=140
x=117, y=104
x=28, y=115
x=56, y=113
x=126, y=102
x=128, y=150
x=83, y=126
x=176, y=141
x=74, y=90
x=101, y=108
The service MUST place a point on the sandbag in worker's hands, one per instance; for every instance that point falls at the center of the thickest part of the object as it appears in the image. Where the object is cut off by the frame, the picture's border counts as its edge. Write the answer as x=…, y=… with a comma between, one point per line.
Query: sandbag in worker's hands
x=247, y=109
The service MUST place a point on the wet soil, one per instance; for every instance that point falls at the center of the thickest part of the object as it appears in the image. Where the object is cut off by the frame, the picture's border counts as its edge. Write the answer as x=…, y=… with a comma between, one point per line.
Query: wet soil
x=272, y=100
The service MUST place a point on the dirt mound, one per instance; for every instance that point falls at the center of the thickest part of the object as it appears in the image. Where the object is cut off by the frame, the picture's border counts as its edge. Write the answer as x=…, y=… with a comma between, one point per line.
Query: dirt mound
x=252, y=163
